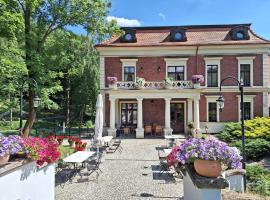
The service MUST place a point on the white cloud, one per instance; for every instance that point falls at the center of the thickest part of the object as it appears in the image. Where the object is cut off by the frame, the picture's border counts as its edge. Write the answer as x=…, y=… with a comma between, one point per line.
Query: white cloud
x=162, y=15
x=124, y=22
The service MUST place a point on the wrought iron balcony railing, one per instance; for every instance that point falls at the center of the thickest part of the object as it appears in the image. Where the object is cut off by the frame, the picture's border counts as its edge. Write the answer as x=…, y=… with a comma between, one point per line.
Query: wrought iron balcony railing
x=153, y=85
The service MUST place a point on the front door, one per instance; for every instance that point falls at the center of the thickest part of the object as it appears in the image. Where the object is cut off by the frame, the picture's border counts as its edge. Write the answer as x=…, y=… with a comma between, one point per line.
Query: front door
x=177, y=117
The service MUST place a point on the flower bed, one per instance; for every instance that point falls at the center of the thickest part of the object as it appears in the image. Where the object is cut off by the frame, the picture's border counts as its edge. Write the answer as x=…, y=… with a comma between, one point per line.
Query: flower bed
x=43, y=150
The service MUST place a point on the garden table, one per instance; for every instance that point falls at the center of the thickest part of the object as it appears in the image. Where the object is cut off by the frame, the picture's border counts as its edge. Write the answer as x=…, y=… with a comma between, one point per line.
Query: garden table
x=79, y=157
x=172, y=139
x=167, y=151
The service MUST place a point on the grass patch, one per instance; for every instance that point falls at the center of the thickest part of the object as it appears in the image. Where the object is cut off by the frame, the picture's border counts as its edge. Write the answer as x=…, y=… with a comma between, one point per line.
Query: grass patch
x=65, y=151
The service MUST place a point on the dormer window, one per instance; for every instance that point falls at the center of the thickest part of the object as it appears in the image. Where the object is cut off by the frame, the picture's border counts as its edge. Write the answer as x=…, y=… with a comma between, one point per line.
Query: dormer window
x=129, y=36
x=239, y=33
x=178, y=35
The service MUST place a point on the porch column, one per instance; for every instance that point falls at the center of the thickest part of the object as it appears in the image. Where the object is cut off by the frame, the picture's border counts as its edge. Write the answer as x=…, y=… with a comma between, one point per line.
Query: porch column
x=140, y=130
x=190, y=114
x=112, y=129
x=196, y=113
x=167, y=129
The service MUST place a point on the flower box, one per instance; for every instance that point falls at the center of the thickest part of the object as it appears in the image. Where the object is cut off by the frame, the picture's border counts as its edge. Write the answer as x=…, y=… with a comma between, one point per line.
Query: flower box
x=197, y=80
x=112, y=81
x=139, y=83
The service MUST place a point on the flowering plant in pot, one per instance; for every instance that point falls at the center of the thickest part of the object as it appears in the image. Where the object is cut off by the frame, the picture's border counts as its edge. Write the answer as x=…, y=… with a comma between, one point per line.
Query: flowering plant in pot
x=139, y=83
x=112, y=82
x=197, y=80
x=60, y=139
x=42, y=150
x=207, y=155
x=80, y=146
x=168, y=82
x=71, y=140
x=10, y=145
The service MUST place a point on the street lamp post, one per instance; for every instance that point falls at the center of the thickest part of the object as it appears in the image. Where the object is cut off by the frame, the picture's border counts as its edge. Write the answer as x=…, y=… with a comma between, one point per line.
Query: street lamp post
x=220, y=102
x=36, y=99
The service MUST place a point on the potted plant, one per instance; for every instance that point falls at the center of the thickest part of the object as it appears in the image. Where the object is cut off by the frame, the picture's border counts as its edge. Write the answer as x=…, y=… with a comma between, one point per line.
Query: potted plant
x=71, y=140
x=197, y=80
x=60, y=139
x=191, y=127
x=10, y=145
x=168, y=83
x=139, y=83
x=208, y=155
x=42, y=150
x=112, y=82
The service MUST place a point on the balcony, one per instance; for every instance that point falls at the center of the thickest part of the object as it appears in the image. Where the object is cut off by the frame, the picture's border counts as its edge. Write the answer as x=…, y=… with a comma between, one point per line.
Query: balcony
x=153, y=85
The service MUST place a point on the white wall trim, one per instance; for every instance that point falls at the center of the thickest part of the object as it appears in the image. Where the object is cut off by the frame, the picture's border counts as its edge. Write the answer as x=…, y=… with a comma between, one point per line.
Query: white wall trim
x=102, y=72
x=265, y=104
x=247, y=98
x=212, y=61
x=176, y=62
x=266, y=70
x=211, y=99
x=128, y=63
x=246, y=60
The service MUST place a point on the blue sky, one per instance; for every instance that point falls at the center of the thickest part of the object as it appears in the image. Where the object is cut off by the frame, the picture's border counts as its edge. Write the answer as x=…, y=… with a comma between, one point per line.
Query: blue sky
x=192, y=12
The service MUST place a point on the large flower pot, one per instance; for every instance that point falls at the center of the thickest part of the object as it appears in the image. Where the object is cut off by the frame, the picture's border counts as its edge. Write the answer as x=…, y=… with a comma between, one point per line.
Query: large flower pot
x=4, y=159
x=113, y=86
x=208, y=168
x=71, y=143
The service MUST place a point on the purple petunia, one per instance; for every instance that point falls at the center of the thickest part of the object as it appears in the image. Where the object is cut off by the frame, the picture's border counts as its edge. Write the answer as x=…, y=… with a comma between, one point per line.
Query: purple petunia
x=208, y=149
x=10, y=145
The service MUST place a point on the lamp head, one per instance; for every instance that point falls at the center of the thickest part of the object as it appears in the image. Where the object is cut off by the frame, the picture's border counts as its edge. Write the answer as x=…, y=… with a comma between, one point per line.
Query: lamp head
x=220, y=102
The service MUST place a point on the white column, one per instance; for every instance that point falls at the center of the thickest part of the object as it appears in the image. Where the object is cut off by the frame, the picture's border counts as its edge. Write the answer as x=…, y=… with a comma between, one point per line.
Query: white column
x=102, y=72
x=190, y=114
x=167, y=129
x=140, y=130
x=112, y=129
x=196, y=113
x=265, y=84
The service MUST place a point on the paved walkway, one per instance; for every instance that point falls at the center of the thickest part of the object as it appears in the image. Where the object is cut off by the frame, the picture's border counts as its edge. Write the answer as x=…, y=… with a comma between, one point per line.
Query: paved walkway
x=132, y=174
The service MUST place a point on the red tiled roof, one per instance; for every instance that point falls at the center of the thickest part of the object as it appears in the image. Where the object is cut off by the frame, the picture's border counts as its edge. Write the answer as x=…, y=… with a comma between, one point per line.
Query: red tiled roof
x=196, y=35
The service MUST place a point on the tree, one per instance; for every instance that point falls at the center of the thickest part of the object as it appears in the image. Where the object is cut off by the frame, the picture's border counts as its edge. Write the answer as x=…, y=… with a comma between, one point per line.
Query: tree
x=41, y=18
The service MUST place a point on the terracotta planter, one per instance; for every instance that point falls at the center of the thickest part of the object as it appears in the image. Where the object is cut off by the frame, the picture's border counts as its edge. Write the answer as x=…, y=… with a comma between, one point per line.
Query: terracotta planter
x=208, y=168
x=71, y=143
x=59, y=141
x=4, y=160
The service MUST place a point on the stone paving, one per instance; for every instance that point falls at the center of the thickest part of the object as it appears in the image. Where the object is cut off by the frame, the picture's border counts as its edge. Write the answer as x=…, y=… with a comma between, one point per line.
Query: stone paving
x=132, y=174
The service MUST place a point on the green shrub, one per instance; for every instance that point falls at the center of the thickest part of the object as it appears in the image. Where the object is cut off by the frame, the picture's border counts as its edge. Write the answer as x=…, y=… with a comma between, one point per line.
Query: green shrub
x=255, y=148
x=258, y=179
x=255, y=128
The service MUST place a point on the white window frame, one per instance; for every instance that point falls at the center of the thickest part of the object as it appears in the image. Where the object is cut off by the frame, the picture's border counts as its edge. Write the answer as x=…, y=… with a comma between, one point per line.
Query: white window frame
x=247, y=98
x=249, y=61
x=211, y=99
x=128, y=63
x=212, y=61
x=120, y=109
x=171, y=62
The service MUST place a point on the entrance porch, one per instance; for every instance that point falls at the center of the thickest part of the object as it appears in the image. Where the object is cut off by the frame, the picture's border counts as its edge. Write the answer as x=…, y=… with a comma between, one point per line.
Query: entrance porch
x=159, y=111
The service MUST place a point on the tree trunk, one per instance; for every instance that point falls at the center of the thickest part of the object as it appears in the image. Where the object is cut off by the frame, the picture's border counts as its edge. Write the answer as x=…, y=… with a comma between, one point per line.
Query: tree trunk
x=31, y=115
x=28, y=60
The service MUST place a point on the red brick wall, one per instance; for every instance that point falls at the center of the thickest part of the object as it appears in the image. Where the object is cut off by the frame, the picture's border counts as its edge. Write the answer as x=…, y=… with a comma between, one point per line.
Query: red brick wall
x=228, y=67
x=113, y=67
x=258, y=71
x=154, y=112
x=147, y=68
x=258, y=105
x=230, y=111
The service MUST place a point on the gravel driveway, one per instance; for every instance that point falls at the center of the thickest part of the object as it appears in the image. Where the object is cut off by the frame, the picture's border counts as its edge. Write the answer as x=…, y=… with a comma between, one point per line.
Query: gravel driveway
x=132, y=174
